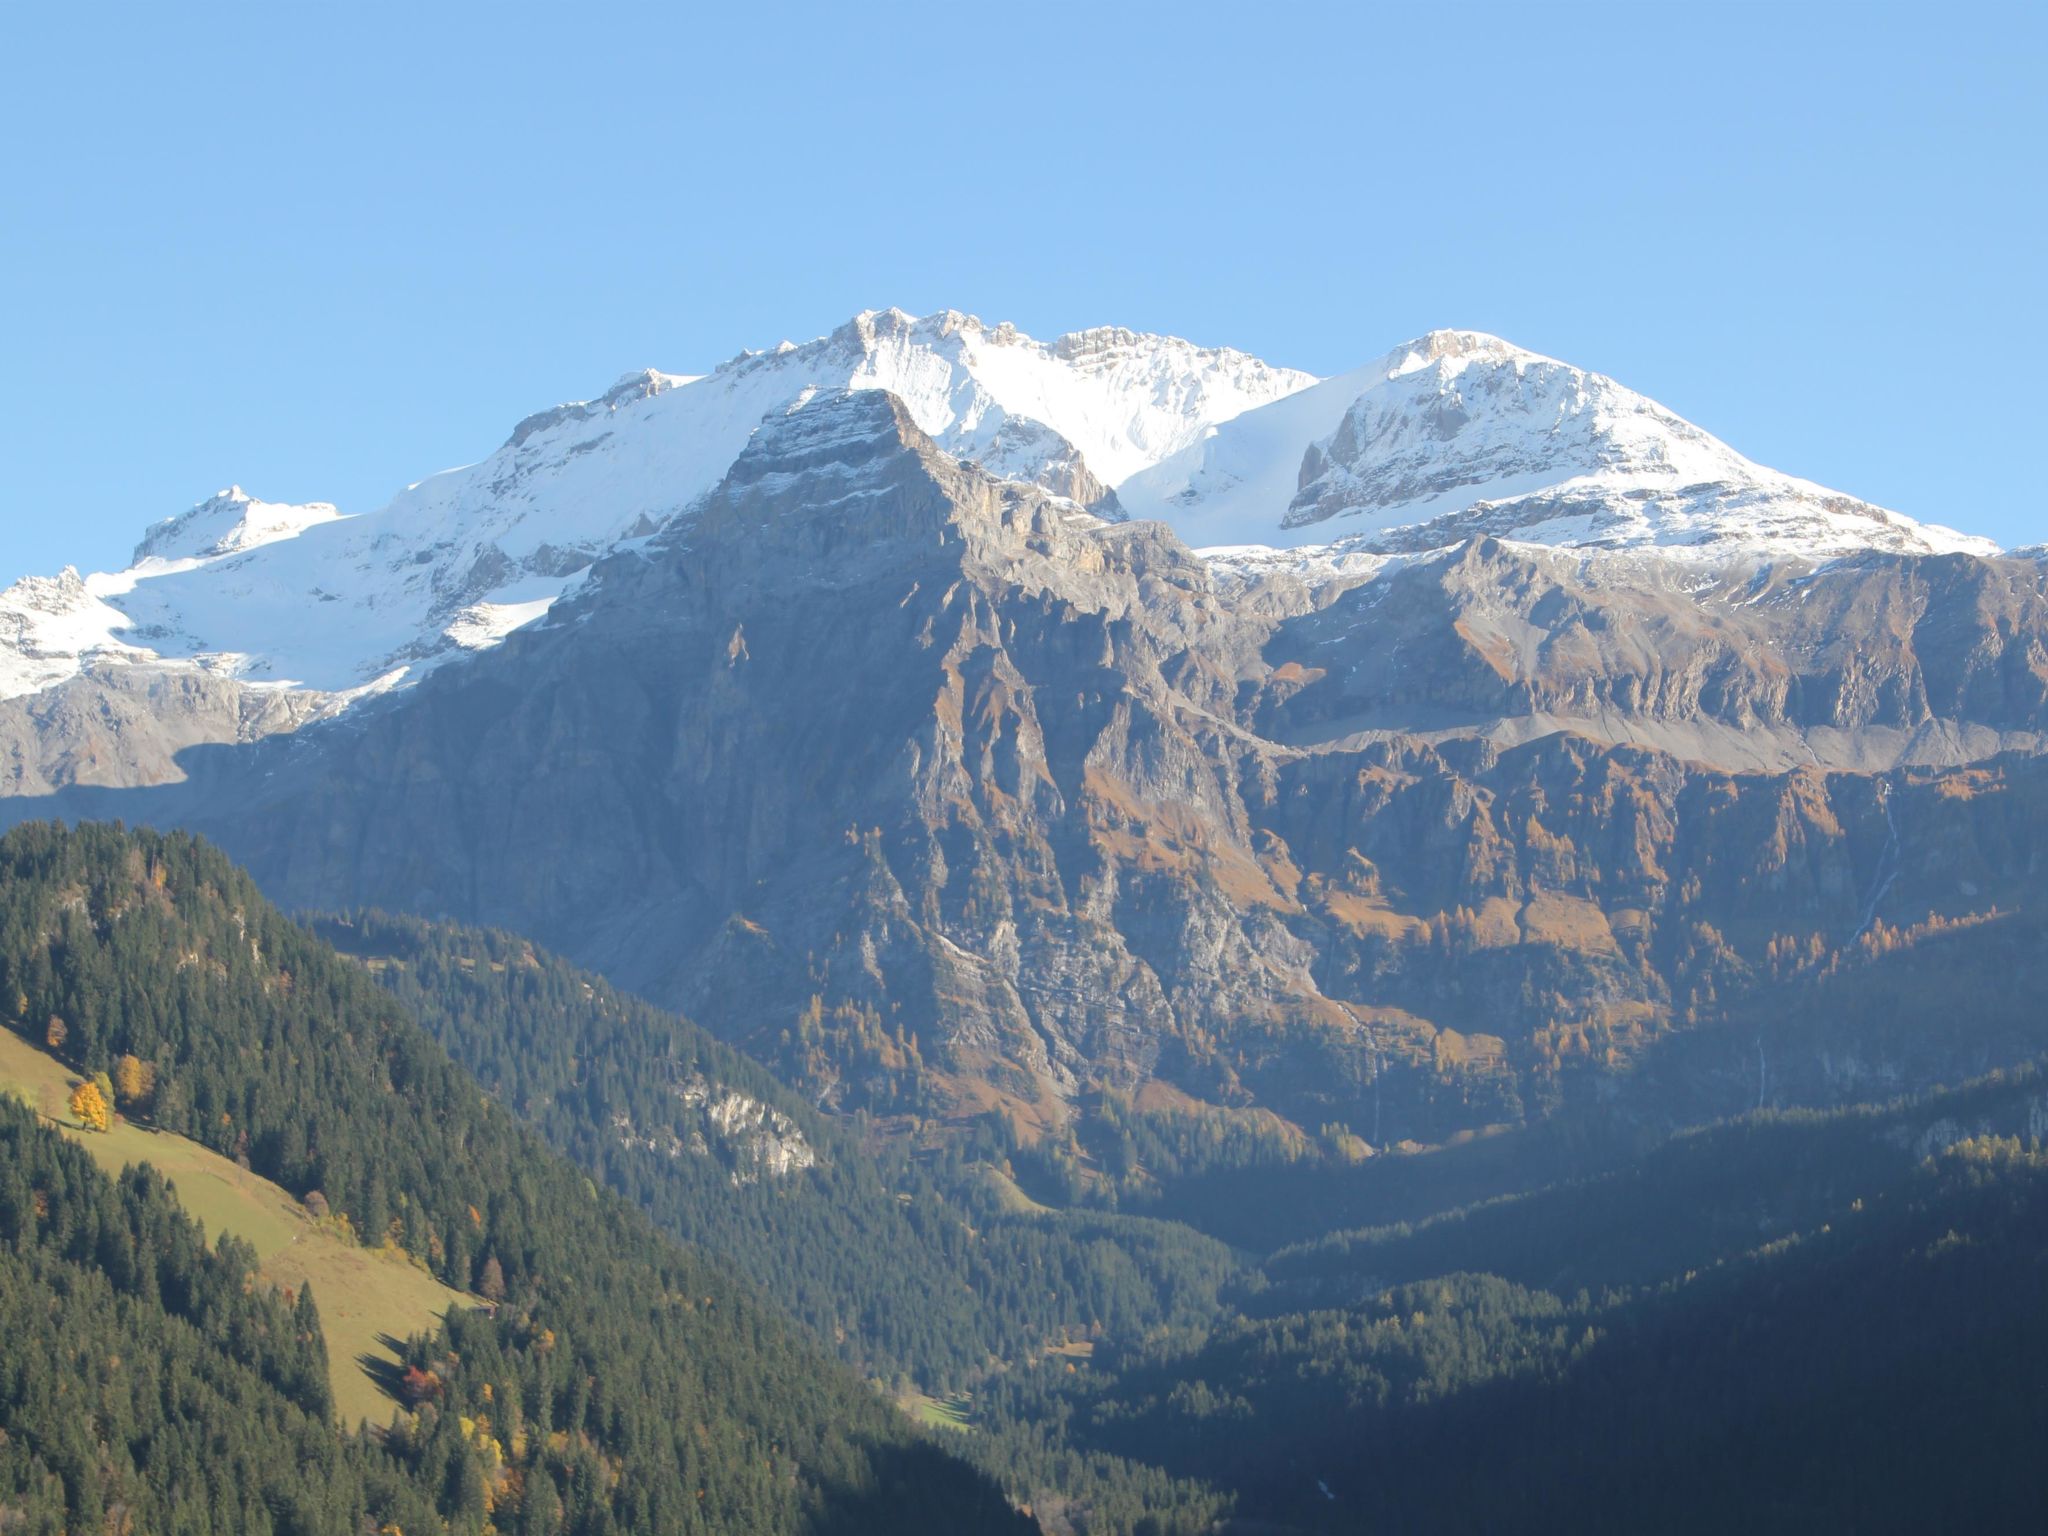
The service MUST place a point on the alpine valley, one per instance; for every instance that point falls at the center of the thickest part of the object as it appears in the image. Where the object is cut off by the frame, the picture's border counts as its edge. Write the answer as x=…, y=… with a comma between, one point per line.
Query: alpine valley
x=1431, y=949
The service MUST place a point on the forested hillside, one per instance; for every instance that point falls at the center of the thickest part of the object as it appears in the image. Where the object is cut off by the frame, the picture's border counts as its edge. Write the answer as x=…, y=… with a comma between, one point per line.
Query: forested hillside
x=1878, y=1371
x=931, y=1272
x=1791, y=1320
x=146, y=1385
x=616, y=1382
x=918, y=1265
x=1503, y=1290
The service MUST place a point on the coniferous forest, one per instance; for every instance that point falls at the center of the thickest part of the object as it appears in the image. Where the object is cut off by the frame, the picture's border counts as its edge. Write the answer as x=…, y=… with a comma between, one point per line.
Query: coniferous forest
x=697, y=1303
x=611, y=1381
x=1336, y=1381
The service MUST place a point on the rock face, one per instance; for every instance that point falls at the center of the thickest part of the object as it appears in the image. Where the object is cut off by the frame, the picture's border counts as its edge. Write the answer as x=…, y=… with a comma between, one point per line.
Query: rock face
x=867, y=699
x=1870, y=661
x=125, y=726
x=758, y=1140
x=892, y=769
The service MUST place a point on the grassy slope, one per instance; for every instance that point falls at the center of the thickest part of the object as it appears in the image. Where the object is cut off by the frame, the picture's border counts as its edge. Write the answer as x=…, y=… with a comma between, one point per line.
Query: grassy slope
x=955, y=1412
x=364, y=1296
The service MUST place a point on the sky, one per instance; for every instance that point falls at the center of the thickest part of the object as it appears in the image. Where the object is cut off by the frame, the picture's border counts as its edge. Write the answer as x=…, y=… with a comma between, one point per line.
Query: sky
x=322, y=251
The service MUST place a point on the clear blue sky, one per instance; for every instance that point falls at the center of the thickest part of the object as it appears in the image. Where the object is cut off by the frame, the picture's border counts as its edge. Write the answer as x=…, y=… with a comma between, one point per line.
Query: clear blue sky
x=325, y=250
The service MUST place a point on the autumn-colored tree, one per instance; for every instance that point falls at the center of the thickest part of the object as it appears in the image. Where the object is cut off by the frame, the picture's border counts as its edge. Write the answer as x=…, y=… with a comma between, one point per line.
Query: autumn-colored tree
x=134, y=1079
x=492, y=1286
x=105, y=1084
x=316, y=1205
x=55, y=1036
x=89, y=1107
x=417, y=1386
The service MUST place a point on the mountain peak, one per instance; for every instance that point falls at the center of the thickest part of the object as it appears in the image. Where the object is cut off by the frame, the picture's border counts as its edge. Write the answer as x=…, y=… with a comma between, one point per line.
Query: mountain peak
x=1452, y=434
x=642, y=384
x=1458, y=433
x=48, y=626
x=227, y=523
x=631, y=388
x=1453, y=346
x=842, y=428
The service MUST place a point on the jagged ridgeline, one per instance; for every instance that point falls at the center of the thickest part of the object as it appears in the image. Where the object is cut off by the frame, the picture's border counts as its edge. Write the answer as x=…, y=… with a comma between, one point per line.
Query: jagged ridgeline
x=605, y=1380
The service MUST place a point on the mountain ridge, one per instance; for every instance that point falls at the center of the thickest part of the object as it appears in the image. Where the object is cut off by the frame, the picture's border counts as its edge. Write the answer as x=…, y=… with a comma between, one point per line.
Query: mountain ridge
x=1226, y=449
x=1082, y=815
x=1459, y=433
x=1415, y=841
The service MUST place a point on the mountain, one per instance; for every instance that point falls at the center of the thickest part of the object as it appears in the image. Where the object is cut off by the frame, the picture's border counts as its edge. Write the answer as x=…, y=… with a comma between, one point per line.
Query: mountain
x=1734, y=1285
x=1782, y=1323
x=1280, y=945
x=1081, y=814
x=1544, y=742
x=911, y=1269
x=303, y=597
x=1885, y=1249
x=1451, y=435
x=1458, y=434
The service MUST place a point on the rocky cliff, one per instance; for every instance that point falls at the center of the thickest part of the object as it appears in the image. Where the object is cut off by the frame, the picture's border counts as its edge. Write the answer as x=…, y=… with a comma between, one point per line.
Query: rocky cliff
x=898, y=772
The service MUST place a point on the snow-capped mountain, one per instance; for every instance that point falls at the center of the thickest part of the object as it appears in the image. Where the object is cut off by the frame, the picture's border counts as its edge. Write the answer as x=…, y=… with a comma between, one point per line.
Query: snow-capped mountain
x=1448, y=436
x=836, y=723
x=46, y=624
x=1458, y=433
x=227, y=523
x=870, y=724
x=305, y=596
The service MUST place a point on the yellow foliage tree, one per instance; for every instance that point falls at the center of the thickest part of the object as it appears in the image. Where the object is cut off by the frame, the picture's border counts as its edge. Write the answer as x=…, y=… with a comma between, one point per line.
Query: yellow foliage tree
x=89, y=1107
x=133, y=1079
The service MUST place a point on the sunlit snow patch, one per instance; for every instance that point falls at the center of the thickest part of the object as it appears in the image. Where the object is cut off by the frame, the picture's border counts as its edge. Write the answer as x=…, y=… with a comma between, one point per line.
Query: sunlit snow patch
x=482, y=625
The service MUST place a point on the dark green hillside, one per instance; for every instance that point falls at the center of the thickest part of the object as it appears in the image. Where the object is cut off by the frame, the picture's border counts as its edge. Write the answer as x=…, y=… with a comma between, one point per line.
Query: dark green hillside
x=907, y=1267
x=1478, y=1318
x=623, y=1384
x=1879, y=1372
x=146, y=1385
x=1789, y=1321
x=1704, y=1196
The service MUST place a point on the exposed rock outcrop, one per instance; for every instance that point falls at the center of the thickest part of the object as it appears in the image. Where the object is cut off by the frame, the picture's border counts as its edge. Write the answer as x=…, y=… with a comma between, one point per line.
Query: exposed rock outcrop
x=1042, y=806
